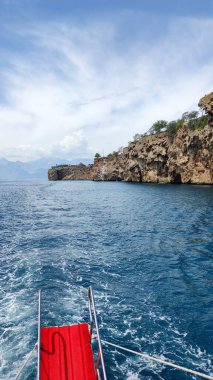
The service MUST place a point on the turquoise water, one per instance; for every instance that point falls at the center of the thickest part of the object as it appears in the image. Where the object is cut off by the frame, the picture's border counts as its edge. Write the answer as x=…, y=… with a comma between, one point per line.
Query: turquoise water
x=147, y=251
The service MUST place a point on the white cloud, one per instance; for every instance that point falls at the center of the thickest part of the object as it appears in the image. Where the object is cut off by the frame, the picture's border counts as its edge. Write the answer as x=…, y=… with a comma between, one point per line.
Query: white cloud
x=74, y=92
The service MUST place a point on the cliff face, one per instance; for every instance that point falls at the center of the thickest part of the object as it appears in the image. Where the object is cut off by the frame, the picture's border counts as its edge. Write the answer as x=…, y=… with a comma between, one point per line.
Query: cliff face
x=187, y=159
x=206, y=103
x=71, y=172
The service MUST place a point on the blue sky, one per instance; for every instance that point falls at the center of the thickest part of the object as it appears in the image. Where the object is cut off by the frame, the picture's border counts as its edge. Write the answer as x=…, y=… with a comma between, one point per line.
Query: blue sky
x=79, y=77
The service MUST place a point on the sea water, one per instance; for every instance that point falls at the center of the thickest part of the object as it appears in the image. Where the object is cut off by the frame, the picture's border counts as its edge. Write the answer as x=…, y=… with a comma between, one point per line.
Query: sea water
x=147, y=251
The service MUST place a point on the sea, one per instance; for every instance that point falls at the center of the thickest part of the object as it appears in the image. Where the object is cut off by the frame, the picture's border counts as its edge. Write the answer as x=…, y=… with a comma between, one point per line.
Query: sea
x=147, y=251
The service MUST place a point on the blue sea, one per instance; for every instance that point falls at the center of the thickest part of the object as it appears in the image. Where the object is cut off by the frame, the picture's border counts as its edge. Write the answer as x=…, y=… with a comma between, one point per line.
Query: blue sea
x=146, y=249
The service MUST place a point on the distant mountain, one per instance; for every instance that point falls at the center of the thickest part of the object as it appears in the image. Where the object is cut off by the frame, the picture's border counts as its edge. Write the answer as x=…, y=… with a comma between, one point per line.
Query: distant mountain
x=14, y=171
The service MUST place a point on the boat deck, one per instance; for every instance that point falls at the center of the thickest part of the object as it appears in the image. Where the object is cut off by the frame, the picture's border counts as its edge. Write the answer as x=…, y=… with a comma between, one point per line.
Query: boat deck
x=66, y=353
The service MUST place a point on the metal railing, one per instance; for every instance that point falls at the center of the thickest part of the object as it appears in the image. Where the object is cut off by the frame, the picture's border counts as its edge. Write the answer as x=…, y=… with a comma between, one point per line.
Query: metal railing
x=93, y=318
x=93, y=321
x=39, y=334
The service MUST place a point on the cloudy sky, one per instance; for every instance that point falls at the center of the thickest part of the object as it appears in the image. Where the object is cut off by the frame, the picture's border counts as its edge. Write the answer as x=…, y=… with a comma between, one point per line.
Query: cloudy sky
x=84, y=76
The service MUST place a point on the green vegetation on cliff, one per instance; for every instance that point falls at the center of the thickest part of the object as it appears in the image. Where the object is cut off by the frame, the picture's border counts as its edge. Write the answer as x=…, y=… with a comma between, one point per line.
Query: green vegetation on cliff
x=190, y=119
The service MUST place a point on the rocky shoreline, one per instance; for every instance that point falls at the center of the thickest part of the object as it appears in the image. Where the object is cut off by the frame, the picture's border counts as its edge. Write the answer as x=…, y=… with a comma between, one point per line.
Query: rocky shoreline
x=185, y=156
x=154, y=158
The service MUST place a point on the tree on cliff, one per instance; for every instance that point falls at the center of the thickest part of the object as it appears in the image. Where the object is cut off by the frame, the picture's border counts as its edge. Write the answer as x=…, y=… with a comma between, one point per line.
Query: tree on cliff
x=137, y=137
x=113, y=154
x=158, y=126
x=190, y=115
x=97, y=155
x=173, y=127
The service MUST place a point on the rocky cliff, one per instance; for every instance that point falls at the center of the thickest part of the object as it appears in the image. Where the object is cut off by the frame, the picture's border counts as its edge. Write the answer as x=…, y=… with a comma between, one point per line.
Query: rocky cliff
x=206, y=104
x=70, y=172
x=155, y=158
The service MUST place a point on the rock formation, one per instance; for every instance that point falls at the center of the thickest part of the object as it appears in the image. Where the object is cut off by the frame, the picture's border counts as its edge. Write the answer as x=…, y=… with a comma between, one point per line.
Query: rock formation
x=188, y=158
x=206, y=103
x=70, y=172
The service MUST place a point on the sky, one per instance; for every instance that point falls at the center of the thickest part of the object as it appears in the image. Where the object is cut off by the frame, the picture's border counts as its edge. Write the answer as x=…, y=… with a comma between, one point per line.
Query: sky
x=80, y=77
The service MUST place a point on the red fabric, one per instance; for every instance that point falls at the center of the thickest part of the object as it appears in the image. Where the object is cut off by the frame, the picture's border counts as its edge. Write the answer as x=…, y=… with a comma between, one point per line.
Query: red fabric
x=66, y=353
